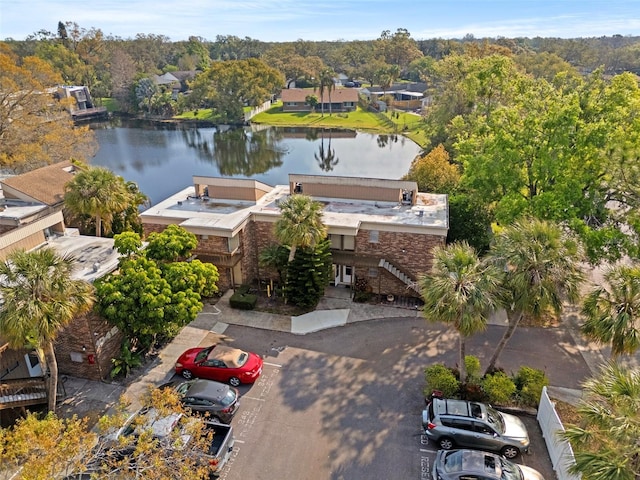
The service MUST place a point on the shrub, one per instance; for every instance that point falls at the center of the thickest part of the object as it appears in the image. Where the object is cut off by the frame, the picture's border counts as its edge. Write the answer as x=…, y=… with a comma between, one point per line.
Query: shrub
x=127, y=361
x=362, y=297
x=246, y=301
x=472, y=365
x=440, y=378
x=529, y=382
x=499, y=388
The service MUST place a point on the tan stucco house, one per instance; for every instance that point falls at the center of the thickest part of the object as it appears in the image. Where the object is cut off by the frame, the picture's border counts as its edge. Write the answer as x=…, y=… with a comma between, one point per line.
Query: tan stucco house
x=340, y=99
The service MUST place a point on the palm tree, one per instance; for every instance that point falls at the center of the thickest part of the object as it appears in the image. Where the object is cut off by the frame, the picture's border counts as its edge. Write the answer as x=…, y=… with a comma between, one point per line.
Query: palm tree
x=612, y=312
x=460, y=290
x=606, y=443
x=98, y=192
x=300, y=223
x=541, y=265
x=40, y=299
x=326, y=82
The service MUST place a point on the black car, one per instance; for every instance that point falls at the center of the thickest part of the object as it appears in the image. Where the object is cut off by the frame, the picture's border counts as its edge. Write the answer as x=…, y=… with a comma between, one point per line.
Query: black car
x=206, y=396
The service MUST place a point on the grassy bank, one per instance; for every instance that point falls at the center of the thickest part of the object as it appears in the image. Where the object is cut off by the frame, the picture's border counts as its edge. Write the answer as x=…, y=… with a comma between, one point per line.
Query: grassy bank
x=397, y=122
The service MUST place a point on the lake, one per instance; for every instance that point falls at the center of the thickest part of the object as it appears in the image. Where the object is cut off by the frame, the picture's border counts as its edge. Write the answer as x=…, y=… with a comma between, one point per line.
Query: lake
x=162, y=158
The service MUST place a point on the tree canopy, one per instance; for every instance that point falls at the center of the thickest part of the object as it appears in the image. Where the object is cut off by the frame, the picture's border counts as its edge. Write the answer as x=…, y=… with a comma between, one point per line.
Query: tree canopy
x=42, y=448
x=606, y=440
x=36, y=129
x=230, y=85
x=39, y=299
x=152, y=295
x=99, y=196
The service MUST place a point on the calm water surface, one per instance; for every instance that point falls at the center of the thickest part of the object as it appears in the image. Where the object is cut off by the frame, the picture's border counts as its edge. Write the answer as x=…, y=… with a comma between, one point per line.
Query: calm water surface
x=162, y=159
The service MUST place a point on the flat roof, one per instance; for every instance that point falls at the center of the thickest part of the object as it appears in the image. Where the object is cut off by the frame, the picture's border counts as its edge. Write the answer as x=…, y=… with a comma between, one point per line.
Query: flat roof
x=429, y=214
x=94, y=256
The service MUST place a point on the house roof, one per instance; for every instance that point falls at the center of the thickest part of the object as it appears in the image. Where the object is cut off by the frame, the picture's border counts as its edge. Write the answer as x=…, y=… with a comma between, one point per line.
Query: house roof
x=400, y=87
x=44, y=185
x=338, y=95
x=185, y=74
x=218, y=216
x=165, y=79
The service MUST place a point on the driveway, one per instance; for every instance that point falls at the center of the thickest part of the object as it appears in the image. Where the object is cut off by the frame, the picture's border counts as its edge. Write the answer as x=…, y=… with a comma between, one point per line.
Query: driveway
x=345, y=403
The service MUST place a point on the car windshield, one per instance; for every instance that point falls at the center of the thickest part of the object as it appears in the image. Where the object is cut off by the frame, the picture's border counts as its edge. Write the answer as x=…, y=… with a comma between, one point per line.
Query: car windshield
x=453, y=461
x=495, y=419
x=510, y=471
x=183, y=388
x=229, y=398
x=202, y=354
x=242, y=359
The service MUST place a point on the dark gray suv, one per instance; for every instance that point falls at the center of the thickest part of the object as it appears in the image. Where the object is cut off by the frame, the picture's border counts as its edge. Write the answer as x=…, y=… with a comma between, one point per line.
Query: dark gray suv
x=459, y=423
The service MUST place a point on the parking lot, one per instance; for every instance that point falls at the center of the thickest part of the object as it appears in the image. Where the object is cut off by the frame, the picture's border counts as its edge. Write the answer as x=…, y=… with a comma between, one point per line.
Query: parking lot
x=326, y=407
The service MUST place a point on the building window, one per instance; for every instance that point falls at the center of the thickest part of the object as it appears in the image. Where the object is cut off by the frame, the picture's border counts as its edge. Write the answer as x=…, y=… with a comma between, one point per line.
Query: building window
x=348, y=242
x=234, y=243
x=373, y=272
x=342, y=242
x=373, y=236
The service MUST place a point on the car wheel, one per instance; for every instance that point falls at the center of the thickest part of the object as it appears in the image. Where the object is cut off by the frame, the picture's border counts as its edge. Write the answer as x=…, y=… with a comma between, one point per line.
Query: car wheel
x=445, y=443
x=234, y=381
x=510, y=452
x=187, y=374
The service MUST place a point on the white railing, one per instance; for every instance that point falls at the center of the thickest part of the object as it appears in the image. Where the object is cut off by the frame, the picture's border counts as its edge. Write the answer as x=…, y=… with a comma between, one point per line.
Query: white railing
x=560, y=450
x=254, y=111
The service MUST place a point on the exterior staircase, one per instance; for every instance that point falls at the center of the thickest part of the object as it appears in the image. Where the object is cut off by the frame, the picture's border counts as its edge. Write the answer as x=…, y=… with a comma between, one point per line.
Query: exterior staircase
x=403, y=277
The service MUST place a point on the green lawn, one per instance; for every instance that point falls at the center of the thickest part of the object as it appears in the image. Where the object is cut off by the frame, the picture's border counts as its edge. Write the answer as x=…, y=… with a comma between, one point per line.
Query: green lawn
x=395, y=122
x=203, y=114
x=390, y=122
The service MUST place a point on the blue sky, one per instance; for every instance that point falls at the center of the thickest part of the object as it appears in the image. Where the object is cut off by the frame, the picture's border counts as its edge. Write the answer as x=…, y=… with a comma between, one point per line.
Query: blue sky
x=289, y=20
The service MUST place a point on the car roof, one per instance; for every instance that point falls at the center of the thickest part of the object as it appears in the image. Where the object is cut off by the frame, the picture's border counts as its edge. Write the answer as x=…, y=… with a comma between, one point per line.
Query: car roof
x=208, y=389
x=160, y=426
x=227, y=354
x=462, y=408
x=473, y=462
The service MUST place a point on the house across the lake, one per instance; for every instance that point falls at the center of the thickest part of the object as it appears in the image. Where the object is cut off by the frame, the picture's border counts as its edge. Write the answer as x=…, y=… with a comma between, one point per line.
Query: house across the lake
x=339, y=100
x=382, y=232
x=83, y=107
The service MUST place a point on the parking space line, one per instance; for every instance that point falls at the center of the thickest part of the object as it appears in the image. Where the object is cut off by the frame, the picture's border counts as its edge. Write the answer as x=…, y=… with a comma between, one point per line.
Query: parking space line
x=254, y=398
x=273, y=365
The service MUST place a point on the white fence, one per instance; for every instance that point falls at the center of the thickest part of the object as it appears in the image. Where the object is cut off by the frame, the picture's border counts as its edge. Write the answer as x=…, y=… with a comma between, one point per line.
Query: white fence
x=254, y=111
x=560, y=450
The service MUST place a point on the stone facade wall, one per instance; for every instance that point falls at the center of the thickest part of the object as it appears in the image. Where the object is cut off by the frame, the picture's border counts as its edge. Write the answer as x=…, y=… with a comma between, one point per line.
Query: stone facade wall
x=384, y=283
x=212, y=245
x=94, y=361
x=263, y=237
x=410, y=253
x=148, y=228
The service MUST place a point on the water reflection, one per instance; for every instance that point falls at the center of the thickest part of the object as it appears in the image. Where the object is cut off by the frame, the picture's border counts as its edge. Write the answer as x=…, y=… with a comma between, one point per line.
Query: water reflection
x=163, y=158
x=326, y=159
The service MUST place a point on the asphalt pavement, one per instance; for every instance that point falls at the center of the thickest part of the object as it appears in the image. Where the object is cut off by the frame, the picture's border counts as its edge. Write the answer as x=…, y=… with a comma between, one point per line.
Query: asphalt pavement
x=562, y=351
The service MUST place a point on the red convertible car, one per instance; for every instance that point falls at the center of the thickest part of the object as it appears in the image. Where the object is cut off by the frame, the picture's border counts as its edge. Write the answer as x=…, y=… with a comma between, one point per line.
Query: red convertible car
x=220, y=363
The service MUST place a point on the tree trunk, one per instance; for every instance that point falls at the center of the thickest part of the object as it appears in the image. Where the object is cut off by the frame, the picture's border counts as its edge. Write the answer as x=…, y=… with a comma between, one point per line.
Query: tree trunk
x=462, y=368
x=98, y=226
x=292, y=253
x=511, y=328
x=51, y=379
